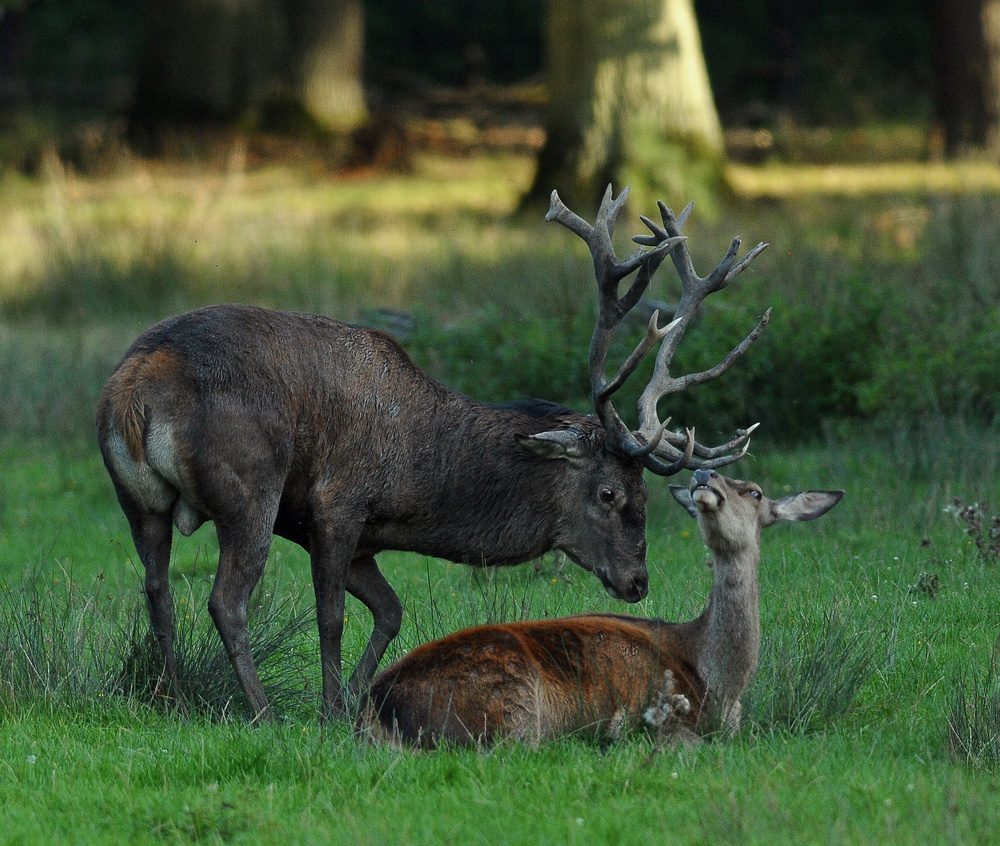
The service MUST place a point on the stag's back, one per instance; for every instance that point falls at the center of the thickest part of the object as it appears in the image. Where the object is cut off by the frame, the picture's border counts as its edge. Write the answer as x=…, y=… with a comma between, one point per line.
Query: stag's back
x=278, y=367
x=240, y=384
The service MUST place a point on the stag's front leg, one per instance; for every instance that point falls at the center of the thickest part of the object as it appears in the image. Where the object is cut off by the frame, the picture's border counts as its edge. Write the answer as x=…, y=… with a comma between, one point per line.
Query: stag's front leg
x=366, y=582
x=330, y=553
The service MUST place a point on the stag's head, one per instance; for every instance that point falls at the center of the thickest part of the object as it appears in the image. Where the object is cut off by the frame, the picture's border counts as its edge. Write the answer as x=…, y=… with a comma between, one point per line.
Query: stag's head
x=607, y=495
x=602, y=507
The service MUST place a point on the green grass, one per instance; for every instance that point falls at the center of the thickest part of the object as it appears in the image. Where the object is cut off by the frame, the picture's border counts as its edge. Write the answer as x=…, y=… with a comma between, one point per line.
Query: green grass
x=85, y=760
x=872, y=717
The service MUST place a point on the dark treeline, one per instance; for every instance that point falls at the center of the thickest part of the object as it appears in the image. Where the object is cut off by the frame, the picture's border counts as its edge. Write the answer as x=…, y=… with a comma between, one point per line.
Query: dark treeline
x=829, y=61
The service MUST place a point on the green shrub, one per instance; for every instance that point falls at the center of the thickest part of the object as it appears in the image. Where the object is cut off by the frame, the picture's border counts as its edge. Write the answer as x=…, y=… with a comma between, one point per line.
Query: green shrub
x=935, y=351
x=499, y=356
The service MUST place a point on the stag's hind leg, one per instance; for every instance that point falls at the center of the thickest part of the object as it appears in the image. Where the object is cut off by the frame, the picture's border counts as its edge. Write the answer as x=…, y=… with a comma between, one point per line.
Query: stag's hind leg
x=243, y=548
x=333, y=540
x=153, y=535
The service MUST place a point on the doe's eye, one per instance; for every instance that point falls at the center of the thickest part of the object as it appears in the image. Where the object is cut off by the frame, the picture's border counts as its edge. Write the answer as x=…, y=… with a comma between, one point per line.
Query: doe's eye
x=756, y=495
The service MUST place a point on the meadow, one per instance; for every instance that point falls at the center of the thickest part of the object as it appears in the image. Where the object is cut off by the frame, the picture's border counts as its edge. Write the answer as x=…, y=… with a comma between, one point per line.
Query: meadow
x=875, y=713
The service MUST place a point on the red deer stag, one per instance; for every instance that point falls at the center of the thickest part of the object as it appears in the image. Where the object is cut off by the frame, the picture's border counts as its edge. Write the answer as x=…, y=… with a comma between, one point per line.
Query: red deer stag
x=269, y=422
x=599, y=674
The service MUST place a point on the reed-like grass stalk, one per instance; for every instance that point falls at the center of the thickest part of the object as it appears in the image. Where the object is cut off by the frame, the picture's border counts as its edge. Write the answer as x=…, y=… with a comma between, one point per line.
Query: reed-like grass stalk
x=974, y=719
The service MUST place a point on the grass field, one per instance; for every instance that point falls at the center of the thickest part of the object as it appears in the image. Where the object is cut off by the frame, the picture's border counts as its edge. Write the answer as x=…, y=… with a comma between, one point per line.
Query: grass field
x=880, y=621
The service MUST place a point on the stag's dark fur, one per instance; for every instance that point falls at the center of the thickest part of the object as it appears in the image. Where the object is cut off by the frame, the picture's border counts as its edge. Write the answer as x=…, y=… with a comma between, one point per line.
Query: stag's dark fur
x=329, y=435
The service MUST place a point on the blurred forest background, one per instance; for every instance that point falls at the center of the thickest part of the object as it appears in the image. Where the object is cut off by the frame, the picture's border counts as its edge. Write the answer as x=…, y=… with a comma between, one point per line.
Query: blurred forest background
x=369, y=160
x=89, y=73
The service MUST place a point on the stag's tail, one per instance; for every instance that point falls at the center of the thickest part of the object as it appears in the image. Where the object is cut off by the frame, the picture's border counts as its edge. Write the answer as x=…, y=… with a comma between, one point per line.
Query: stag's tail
x=122, y=409
x=138, y=452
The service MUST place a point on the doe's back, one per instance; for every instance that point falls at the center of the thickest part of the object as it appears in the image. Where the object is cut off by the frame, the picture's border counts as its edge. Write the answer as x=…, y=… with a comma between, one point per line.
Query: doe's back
x=529, y=681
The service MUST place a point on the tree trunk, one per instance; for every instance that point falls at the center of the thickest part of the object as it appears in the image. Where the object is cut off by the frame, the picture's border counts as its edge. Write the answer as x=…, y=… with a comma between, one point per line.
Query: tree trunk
x=967, y=54
x=211, y=61
x=327, y=48
x=629, y=97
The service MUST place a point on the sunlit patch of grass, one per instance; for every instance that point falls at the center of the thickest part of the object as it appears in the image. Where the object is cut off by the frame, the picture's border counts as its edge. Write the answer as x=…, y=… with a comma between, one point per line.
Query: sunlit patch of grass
x=156, y=242
x=796, y=181
x=207, y=212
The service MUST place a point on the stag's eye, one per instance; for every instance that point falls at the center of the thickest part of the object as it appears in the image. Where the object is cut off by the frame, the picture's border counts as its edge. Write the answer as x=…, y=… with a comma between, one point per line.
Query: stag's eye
x=607, y=495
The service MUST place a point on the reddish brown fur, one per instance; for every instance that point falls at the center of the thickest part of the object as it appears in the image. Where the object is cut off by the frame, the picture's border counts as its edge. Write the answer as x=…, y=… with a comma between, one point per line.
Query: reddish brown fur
x=531, y=681
x=124, y=394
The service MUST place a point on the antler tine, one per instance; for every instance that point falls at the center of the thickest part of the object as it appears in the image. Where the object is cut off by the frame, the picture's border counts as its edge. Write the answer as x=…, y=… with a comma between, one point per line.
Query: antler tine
x=661, y=451
x=675, y=440
x=742, y=264
x=684, y=215
x=662, y=383
x=608, y=211
x=559, y=212
x=684, y=459
x=694, y=290
x=715, y=463
x=653, y=335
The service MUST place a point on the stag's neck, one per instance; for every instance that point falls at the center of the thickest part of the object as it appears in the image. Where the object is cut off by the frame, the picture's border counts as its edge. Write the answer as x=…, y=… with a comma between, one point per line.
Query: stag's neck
x=730, y=634
x=488, y=500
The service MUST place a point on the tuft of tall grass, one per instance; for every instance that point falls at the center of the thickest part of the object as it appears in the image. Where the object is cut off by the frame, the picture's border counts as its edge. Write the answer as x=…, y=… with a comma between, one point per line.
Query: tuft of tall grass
x=54, y=643
x=284, y=653
x=974, y=719
x=809, y=677
x=64, y=644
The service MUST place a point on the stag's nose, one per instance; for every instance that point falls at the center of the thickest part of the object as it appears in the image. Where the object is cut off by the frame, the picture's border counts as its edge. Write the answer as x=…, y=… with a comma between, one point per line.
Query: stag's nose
x=640, y=587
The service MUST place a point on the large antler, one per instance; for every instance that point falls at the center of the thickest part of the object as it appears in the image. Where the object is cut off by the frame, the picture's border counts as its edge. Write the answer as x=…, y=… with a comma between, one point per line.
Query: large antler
x=661, y=451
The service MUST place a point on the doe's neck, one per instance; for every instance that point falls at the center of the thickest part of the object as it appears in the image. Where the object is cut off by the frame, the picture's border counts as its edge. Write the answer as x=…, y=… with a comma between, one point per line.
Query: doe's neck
x=730, y=643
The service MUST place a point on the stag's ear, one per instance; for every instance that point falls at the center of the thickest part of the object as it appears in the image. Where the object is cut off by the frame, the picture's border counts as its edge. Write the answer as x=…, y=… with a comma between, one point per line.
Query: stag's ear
x=807, y=505
x=683, y=496
x=559, y=443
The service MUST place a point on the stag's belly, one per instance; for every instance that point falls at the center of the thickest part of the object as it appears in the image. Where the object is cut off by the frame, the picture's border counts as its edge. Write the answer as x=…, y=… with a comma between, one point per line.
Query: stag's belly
x=451, y=540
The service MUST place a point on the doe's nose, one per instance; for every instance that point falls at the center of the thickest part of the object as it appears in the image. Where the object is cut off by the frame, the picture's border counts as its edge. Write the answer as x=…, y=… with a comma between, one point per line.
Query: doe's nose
x=701, y=476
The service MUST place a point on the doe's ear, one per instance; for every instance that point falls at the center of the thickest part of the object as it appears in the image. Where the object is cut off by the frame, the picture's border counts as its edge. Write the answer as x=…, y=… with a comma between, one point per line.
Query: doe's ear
x=683, y=496
x=559, y=443
x=807, y=505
